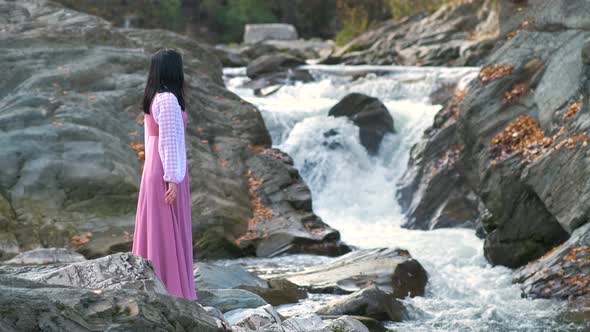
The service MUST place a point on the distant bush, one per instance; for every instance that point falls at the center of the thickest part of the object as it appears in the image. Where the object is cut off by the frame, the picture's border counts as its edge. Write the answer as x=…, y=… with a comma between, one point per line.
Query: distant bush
x=357, y=17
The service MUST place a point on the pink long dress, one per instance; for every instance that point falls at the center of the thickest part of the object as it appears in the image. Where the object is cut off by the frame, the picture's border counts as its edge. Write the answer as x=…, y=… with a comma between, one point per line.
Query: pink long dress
x=163, y=232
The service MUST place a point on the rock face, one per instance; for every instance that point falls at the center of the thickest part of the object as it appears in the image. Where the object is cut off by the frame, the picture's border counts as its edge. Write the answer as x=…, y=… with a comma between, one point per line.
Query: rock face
x=369, y=114
x=519, y=143
x=117, y=271
x=454, y=35
x=71, y=143
x=119, y=292
x=254, y=33
x=370, y=302
x=433, y=193
x=561, y=273
x=390, y=269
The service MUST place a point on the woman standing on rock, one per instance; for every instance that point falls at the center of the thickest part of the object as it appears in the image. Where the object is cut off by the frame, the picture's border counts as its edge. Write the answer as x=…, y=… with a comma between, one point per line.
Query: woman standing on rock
x=163, y=229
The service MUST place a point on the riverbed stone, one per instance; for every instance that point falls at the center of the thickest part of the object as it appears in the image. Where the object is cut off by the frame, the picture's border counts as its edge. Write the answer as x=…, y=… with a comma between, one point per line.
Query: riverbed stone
x=370, y=302
x=279, y=291
x=391, y=269
x=230, y=299
x=369, y=114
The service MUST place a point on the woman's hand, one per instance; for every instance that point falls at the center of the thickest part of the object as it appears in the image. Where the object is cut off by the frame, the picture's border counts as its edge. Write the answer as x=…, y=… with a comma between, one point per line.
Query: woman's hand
x=170, y=195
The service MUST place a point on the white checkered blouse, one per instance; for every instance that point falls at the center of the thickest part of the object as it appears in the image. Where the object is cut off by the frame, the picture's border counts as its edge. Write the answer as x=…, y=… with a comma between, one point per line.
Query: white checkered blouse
x=167, y=114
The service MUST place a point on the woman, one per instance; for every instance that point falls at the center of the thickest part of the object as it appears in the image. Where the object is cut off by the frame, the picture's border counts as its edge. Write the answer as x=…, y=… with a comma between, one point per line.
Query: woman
x=163, y=230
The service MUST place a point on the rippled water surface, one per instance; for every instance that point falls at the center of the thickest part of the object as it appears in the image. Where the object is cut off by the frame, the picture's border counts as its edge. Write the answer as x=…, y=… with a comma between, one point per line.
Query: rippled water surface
x=355, y=193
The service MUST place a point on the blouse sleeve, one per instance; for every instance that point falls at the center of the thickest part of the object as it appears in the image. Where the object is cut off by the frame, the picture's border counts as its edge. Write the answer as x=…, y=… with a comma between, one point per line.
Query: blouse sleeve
x=171, y=145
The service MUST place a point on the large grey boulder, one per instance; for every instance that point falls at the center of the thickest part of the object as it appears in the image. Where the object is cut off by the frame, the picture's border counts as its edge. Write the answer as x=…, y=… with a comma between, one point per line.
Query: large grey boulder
x=390, y=269
x=254, y=33
x=71, y=142
x=117, y=271
x=31, y=306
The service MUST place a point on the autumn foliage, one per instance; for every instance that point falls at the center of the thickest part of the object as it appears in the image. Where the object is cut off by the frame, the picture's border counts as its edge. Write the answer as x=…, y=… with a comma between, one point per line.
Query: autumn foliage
x=524, y=134
x=572, y=110
x=81, y=239
x=259, y=211
x=514, y=93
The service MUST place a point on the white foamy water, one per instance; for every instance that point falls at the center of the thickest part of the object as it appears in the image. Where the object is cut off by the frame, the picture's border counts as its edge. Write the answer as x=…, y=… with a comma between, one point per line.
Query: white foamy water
x=355, y=193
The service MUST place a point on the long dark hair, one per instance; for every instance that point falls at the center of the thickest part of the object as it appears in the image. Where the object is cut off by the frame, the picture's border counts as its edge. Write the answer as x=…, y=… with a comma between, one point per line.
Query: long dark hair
x=166, y=75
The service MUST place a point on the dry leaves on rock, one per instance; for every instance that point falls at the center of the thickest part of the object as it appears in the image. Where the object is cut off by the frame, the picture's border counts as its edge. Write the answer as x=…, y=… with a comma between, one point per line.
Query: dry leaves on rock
x=514, y=93
x=260, y=212
x=572, y=110
x=524, y=134
x=458, y=98
x=80, y=240
x=494, y=72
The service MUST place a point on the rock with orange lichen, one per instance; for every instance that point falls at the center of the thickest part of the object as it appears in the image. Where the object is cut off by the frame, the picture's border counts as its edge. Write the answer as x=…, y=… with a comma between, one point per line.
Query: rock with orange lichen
x=562, y=273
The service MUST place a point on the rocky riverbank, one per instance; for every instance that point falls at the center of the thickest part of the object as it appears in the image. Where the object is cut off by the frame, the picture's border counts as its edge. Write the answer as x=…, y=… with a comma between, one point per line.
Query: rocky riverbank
x=513, y=148
x=121, y=291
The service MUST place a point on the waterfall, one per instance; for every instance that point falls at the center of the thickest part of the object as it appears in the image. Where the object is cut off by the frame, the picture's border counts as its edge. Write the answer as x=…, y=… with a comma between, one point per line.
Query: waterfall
x=355, y=193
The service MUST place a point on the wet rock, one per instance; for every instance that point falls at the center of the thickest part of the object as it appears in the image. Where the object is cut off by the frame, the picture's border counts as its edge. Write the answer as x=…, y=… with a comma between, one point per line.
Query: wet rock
x=279, y=291
x=253, y=319
x=275, y=70
x=46, y=256
x=432, y=192
x=117, y=271
x=370, y=302
x=578, y=313
x=272, y=63
x=456, y=34
x=372, y=324
x=390, y=269
x=369, y=114
x=346, y=324
x=230, y=299
x=254, y=33
x=313, y=322
x=79, y=98
x=213, y=276
x=32, y=306
x=288, y=230
x=562, y=273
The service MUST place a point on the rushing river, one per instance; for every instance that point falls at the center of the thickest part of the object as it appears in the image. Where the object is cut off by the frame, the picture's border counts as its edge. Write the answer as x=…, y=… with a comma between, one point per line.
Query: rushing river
x=355, y=193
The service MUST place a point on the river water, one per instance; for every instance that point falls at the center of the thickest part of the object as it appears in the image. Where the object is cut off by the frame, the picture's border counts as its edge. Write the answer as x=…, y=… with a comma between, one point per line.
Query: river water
x=355, y=193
